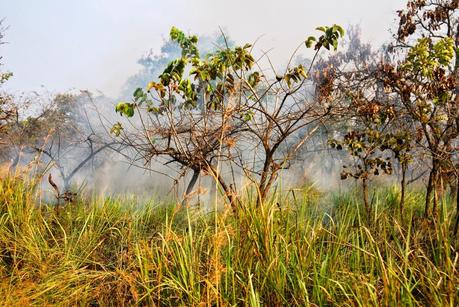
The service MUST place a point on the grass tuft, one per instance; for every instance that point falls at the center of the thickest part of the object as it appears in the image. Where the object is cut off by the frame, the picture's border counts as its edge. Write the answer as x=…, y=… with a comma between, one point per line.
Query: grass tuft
x=300, y=249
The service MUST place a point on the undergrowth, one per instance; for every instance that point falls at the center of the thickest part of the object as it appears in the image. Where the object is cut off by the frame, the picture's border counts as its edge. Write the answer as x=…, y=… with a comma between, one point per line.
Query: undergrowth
x=290, y=251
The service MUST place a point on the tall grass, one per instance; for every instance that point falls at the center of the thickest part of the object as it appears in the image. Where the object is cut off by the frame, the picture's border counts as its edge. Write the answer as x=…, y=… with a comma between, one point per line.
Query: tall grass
x=291, y=251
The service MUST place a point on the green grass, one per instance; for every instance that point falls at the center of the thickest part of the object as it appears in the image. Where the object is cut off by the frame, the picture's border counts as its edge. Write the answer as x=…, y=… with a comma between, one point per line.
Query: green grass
x=291, y=251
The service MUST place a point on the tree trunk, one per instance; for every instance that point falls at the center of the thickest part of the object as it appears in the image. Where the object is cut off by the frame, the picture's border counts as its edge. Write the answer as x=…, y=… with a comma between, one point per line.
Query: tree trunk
x=263, y=183
x=430, y=188
x=403, y=188
x=66, y=184
x=261, y=196
x=191, y=185
x=435, y=194
x=14, y=163
x=268, y=175
x=365, y=198
x=264, y=190
x=58, y=194
x=457, y=207
x=228, y=190
x=267, y=185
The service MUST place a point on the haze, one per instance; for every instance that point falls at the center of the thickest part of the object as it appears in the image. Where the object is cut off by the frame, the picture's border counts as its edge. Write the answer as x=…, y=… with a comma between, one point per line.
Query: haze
x=94, y=45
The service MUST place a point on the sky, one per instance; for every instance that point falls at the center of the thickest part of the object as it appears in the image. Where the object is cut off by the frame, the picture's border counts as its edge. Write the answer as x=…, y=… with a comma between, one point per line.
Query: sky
x=58, y=45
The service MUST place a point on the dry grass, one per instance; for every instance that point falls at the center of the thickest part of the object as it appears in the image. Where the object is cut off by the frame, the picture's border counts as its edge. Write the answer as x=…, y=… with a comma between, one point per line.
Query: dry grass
x=114, y=252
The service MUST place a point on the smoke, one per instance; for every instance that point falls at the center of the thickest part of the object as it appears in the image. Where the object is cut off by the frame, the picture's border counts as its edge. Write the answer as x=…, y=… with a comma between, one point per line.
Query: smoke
x=119, y=173
x=111, y=172
x=98, y=53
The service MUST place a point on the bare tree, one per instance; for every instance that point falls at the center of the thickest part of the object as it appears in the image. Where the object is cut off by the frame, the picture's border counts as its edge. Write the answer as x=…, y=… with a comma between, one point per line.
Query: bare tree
x=59, y=134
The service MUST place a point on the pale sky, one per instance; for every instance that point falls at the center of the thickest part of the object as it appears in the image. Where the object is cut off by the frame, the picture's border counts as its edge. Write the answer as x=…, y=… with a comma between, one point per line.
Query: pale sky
x=94, y=44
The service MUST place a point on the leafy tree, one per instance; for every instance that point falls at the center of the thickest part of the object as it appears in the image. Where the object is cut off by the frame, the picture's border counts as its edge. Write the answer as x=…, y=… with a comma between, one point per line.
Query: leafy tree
x=425, y=79
x=417, y=81
x=366, y=122
x=209, y=112
x=367, y=144
x=153, y=64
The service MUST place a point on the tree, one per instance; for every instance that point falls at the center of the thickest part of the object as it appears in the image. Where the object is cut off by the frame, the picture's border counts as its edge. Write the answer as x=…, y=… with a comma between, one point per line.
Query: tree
x=367, y=123
x=426, y=82
x=58, y=135
x=417, y=82
x=209, y=113
x=7, y=108
x=72, y=142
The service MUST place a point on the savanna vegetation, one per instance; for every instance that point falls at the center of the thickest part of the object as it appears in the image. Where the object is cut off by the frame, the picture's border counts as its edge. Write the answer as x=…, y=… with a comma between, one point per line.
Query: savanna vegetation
x=387, y=119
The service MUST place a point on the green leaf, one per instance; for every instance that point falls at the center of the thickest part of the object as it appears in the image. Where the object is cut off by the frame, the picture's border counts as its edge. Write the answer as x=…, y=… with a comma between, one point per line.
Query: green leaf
x=138, y=94
x=247, y=116
x=310, y=41
x=254, y=79
x=322, y=29
x=154, y=110
x=287, y=79
x=125, y=108
x=339, y=29
x=116, y=129
x=335, y=44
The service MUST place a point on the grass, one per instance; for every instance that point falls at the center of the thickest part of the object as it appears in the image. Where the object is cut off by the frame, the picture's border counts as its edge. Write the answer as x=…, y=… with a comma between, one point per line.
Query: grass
x=291, y=251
